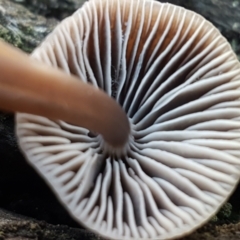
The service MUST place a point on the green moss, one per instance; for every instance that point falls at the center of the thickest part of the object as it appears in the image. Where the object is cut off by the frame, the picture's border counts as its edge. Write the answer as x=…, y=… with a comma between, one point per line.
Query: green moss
x=235, y=43
x=224, y=213
x=27, y=30
x=214, y=219
x=17, y=39
x=11, y=38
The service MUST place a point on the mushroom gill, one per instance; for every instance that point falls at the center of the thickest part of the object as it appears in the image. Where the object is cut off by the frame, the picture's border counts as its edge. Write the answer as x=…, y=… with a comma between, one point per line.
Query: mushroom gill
x=178, y=81
x=31, y=87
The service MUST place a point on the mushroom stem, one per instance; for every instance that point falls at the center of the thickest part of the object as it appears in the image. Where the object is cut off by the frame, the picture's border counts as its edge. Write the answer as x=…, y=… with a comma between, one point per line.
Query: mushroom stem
x=32, y=87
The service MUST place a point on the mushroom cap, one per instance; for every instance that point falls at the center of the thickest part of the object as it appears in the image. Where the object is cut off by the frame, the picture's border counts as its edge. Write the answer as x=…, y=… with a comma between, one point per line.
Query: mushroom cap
x=178, y=81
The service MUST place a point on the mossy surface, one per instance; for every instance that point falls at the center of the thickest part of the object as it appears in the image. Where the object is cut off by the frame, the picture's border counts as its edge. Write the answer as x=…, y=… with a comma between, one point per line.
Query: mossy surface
x=225, y=214
x=52, y=8
x=22, y=28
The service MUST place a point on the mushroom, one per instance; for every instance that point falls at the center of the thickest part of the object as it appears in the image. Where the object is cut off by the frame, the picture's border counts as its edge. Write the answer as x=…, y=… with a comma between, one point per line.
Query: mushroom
x=178, y=81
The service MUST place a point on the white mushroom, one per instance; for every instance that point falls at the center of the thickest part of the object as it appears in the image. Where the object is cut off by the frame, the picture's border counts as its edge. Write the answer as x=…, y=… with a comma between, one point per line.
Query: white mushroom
x=178, y=81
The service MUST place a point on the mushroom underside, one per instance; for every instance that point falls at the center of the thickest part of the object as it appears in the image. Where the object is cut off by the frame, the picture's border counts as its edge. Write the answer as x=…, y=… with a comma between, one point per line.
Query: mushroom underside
x=178, y=81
